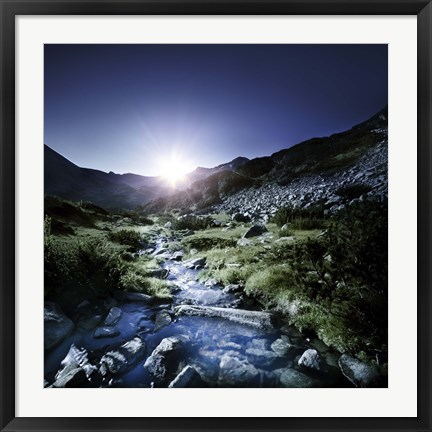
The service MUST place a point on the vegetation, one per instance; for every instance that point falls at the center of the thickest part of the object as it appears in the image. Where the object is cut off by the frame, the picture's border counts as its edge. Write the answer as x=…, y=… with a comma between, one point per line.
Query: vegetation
x=126, y=237
x=300, y=218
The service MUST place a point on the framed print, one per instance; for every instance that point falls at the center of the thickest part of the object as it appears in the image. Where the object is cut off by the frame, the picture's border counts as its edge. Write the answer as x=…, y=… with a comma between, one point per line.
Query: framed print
x=215, y=216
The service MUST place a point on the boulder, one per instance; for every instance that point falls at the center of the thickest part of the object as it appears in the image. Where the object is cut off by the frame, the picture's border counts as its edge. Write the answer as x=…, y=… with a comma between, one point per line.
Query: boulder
x=243, y=242
x=164, y=358
x=262, y=358
x=123, y=358
x=177, y=256
x=234, y=372
x=106, y=332
x=56, y=325
x=311, y=359
x=359, y=373
x=113, y=316
x=76, y=358
x=260, y=320
x=196, y=263
x=232, y=288
x=294, y=379
x=188, y=377
x=158, y=273
x=255, y=231
x=163, y=319
x=125, y=296
x=283, y=346
x=73, y=378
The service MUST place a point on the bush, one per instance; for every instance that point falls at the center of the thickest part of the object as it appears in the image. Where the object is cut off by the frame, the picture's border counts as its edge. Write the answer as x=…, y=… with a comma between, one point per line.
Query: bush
x=302, y=218
x=191, y=222
x=126, y=237
x=206, y=243
x=353, y=191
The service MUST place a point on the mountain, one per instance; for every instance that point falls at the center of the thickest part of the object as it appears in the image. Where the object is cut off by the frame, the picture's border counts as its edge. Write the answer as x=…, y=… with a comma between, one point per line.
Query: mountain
x=311, y=172
x=67, y=180
x=110, y=190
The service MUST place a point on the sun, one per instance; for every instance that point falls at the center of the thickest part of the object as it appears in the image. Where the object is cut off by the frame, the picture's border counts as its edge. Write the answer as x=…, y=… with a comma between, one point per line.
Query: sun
x=174, y=168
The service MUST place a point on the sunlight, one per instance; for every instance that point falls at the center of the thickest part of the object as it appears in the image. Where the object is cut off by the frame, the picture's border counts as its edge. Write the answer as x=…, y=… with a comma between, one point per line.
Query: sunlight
x=174, y=169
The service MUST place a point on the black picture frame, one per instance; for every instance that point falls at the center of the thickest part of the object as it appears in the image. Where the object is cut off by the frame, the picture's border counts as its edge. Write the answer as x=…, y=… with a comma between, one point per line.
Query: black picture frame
x=9, y=9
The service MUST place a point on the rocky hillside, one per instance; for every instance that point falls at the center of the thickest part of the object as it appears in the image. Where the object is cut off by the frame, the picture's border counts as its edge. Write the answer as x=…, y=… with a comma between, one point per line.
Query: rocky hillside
x=330, y=171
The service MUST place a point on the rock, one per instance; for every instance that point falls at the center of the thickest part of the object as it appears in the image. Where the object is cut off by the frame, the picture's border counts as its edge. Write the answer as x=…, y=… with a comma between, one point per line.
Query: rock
x=240, y=217
x=255, y=231
x=168, y=225
x=73, y=378
x=177, y=256
x=125, y=296
x=359, y=373
x=232, y=288
x=56, y=325
x=195, y=263
x=188, y=377
x=244, y=242
x=294, y=379
x=163, y=319
x=113, y=316
x=283, y=346
x=262, y=358
x=311, y=359
x=260, y=320
x=164, y=359
x=158, y=273
x=234, y=372
x=106, y=332
x=76, y=358
x=123, y=358
x=159, y=251
x=193, y=251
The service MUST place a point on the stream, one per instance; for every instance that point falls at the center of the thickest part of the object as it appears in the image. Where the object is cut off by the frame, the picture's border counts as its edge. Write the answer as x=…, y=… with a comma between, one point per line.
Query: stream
x=148, y=344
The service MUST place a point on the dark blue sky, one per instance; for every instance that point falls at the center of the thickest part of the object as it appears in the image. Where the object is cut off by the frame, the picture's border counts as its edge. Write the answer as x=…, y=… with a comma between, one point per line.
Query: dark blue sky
x=123, y=108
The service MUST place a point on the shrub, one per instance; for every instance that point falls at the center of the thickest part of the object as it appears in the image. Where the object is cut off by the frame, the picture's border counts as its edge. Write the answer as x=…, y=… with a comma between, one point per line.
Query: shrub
x=192, y=222
x=126, y=237
x=206, y=243
x=308, y=217
x=352, y=191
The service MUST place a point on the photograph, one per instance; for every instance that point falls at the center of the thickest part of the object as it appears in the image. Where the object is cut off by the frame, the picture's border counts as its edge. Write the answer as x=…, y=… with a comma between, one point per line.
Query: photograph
x=215, y=216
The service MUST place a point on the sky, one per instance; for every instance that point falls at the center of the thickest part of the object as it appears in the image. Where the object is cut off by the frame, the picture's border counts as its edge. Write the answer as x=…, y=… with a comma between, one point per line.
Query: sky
x=131, y=108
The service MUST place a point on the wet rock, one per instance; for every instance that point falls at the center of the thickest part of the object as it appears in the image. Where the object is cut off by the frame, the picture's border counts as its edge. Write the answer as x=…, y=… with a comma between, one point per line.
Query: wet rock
x=113, y=316
x=188, y=377
x=177, y=256
x=232, y=288
x=260, y=320
x=311, y=359
x=164, y=359
x=255, y=231
x=294, y=379
x=359, y=373
x=123, y=358
x=168, y=225
x=158, y=273
x=73, y=378
x=234, y=372
x=195, y=263
x=261, y=344
x=125, y=296
x=106, y=332
x=89, y=323
x=56, y=325
x=163, y=319
x=262, y=358
x=283, y=346
x=76, y=358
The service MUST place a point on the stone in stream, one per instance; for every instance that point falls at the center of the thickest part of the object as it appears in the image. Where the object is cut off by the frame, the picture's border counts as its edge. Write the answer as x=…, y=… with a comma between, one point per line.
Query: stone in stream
x=196, y=263
x=73, y=378
x=261, y=357
x=125, y=296
x=158, y=273
x=56, y=325
x=255, y=231
x=113, y=316
x=177, y=256
x=292, y=378
x=359, y=373
x=123, y=358
x=232, y=288
x=106, y=332
x=283, y=346
x=260, y=320
x=188, y=377
x=311, y=359
x=164, y=359
x=163, y=319
x=234, y=372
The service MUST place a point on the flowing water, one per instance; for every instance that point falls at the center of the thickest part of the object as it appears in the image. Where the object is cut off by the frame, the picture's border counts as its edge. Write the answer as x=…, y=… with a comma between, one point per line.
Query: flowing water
x=224, y=353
